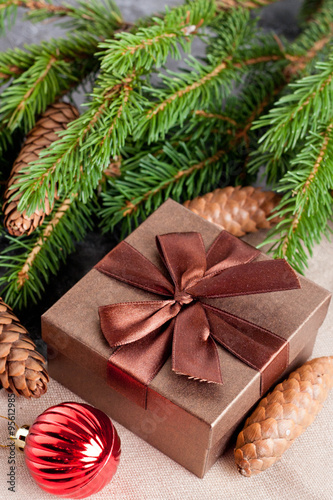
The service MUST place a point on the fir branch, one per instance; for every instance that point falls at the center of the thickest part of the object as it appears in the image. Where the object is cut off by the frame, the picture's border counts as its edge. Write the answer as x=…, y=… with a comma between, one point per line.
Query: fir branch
x=159, y=176
x=132, y=207
x=174, y=105
x=228, y=60
x=105, y=126
x=77, y=160
x=207, y=75
x=179, y=169
x=23, y=274
x=96, y=17
x=302, y=54
x=152, y=45
x=36, y=87
x=245, y=4
x=307, y=203
x=202, y=119
x=34, y=5
x=8, y=10
x=215, y=116
x=247, y=101
x=319, y=159
x=299, y=144
x=47, y=71
x=86, y=32
x=8, y=13
x=299, y=63
x=272, y=166
x=33, y=91
x=317, y=34
x=28, y=262
x=289, y=119
x=107, y=123
x=308, y=9
x=236, y=37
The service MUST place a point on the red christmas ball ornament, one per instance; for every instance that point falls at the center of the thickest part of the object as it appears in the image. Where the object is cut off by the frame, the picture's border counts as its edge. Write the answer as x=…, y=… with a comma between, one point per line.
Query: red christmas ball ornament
x=72, y=450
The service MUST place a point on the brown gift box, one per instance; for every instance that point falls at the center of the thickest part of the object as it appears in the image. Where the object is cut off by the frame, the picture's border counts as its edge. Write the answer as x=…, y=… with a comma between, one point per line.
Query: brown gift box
x=188, y=420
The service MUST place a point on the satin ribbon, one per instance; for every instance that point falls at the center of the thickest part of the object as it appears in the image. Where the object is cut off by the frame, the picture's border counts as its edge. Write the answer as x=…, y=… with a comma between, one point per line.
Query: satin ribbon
x=146, y=333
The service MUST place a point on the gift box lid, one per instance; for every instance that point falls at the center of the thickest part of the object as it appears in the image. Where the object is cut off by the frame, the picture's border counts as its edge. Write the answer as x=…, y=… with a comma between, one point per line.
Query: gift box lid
x=72, y=327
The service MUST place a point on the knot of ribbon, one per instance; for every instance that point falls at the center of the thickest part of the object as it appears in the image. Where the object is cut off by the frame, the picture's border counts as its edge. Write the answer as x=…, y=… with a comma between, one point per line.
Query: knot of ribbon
x=183, y=322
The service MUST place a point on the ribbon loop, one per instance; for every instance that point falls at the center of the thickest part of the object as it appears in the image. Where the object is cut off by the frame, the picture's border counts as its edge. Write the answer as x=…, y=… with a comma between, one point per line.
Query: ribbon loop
x=246, y=279
x=131, y=321
x=125, y=263
x=226, y=252
x=184, y=256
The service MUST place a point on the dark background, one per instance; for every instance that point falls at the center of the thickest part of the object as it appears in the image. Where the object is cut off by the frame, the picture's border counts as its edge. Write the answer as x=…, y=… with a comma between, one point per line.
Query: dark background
x=280, y=17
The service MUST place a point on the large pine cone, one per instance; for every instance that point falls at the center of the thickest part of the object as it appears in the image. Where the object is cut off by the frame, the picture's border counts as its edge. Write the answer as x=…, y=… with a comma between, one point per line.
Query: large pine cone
x=283, y=415
x=56, y=118
x=22, y=369
x=239, y=210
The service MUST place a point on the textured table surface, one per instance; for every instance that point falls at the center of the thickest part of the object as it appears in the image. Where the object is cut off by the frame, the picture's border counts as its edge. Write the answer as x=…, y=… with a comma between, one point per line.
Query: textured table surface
x=306, y=470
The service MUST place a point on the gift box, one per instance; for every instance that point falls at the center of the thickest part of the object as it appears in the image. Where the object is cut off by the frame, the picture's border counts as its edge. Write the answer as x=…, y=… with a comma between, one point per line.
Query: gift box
x=232, y=317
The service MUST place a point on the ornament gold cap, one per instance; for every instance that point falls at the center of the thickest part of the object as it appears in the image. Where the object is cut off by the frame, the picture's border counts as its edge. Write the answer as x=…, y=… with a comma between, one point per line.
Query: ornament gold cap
x=20, y=437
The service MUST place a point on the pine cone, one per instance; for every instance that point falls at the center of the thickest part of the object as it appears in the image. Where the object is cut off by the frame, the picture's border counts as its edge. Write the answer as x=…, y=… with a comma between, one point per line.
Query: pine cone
x=283, y=415
x=55, y=118
x=22, y=369
x=238, y=210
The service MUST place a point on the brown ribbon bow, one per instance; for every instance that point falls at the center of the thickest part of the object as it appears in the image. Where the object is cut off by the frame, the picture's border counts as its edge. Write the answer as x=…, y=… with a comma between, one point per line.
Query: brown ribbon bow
x=148, y=331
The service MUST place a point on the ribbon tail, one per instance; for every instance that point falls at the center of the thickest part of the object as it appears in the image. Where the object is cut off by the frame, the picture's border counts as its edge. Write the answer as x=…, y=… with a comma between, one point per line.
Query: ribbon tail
x=257, y=347
x=132, y=367
x=194, y=352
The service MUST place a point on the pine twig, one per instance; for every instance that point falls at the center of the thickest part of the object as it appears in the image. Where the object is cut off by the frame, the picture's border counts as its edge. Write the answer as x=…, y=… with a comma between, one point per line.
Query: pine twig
x=86, y=145
x=151, y=45
x=131, y=207
x=307, y=203
x=208, y=77
x=28, y=262
x=114, y=103
x=23, y=275
x=189, y=88
x=304, y=190
x=245, y=4
x=80, y=14
x=298, y=63
x=8, y=10
x=289, y=119
x=22, y=103
x=215, y=116
x=35, y=5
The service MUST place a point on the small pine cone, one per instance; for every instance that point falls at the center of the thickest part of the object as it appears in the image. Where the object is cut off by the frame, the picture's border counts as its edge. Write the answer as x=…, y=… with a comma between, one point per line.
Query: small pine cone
x=56, y=118
x=112, y=170
x=239, y=210
x=22, y=369
x=283, y=415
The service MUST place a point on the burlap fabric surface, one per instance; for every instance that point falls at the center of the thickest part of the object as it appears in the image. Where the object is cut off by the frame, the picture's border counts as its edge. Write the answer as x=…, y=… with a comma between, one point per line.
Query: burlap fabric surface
x=305, y=471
